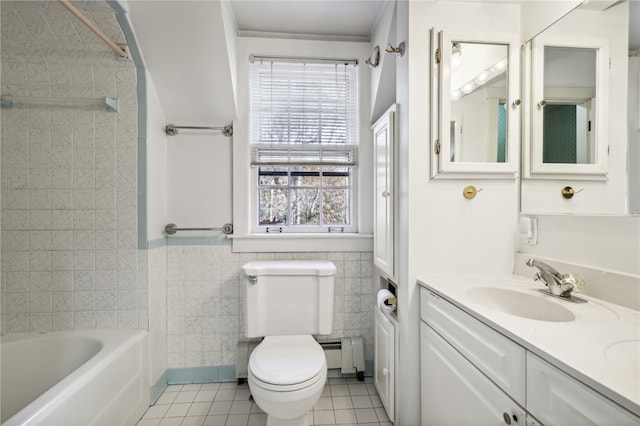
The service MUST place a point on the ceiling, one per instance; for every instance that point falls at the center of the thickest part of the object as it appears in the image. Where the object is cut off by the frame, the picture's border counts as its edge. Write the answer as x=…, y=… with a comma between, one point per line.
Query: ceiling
x=188, y=46
x=336, y=19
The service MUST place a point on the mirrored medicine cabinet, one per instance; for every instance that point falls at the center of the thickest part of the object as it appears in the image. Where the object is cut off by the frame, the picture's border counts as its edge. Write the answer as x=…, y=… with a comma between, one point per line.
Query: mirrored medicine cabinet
x=568, y=100
x=475, y=106
x=575, y=124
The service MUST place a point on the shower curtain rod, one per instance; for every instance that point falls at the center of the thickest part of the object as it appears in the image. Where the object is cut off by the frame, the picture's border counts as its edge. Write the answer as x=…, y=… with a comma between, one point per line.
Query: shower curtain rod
x=116, y=48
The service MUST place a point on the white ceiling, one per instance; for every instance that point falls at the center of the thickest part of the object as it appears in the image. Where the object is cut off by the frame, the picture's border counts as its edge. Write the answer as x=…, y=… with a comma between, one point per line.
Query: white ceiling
x=346, y=19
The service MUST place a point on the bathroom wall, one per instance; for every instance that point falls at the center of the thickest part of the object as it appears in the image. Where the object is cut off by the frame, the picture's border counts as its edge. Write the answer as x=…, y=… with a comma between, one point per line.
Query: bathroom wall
x=69, y=176
x=206, y=304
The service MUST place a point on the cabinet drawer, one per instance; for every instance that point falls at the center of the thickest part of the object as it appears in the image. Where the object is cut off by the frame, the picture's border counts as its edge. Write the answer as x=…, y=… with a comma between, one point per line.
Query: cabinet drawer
x=557, y=399
x=501, y=359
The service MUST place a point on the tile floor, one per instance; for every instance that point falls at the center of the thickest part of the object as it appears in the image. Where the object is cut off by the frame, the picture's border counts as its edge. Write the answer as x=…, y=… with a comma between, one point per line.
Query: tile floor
x=343, y=402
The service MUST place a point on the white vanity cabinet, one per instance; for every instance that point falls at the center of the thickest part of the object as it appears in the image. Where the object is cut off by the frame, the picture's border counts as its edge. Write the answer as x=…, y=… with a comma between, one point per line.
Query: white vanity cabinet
x=557, y=398
x=472, y=374
x=454, y=392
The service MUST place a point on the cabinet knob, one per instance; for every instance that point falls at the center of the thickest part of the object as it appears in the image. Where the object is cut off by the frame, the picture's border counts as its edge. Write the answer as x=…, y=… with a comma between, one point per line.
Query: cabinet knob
x=385, y=194
x=385, y=371
x=507, y=418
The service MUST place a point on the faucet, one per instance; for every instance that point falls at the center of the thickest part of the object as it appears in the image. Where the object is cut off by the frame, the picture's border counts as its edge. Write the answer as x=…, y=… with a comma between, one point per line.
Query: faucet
x=558, y=284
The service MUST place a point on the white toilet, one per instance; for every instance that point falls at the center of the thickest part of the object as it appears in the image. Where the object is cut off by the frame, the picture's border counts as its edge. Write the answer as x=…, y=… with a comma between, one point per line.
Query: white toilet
x=286, y=303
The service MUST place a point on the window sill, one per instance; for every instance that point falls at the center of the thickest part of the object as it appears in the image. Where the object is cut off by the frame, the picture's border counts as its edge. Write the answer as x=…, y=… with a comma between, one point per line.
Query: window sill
x=301, y=242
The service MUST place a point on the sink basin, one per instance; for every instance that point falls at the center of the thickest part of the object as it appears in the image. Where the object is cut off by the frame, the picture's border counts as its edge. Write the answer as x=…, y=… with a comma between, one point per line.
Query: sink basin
x=520, y=304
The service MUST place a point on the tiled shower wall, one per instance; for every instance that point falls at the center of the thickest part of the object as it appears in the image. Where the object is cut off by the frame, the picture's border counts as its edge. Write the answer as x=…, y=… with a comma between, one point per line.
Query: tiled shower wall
x=205, y=315
x=70, y=258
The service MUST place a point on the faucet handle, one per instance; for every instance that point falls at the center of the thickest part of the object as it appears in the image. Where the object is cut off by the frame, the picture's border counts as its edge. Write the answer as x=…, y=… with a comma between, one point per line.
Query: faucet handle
x=572, y=280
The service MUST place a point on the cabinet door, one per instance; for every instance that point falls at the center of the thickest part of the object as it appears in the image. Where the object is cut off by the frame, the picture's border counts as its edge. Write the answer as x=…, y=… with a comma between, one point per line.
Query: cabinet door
x=383, y=137
x=454, y=392
x=384, y=359
x=557, y=399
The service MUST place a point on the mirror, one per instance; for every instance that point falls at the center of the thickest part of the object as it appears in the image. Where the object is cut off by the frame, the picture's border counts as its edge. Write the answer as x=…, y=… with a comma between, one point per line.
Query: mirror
x=478, y=120
x=568, y=105
x=478, y=84
x=578, y=79
x=568, y=81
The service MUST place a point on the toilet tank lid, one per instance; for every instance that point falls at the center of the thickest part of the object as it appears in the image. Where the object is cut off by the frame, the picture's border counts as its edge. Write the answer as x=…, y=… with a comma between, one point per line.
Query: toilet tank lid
x=290, y=267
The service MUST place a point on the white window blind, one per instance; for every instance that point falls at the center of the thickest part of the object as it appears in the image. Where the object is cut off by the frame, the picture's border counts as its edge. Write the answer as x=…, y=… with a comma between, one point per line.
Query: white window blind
x=303, y=104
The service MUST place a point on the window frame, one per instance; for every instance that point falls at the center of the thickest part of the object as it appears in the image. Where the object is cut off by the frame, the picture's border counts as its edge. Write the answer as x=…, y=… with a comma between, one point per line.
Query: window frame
x=351, y=146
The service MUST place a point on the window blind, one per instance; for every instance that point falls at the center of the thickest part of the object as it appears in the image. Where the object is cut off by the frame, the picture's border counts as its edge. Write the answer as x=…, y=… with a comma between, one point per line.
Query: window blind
x=297, y=104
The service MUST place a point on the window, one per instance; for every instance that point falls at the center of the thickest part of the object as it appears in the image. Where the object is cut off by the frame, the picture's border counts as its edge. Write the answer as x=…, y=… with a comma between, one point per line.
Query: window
x=304, y=144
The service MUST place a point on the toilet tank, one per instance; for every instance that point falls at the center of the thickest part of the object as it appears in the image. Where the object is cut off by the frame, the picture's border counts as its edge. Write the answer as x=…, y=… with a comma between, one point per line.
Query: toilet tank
x=288, y=297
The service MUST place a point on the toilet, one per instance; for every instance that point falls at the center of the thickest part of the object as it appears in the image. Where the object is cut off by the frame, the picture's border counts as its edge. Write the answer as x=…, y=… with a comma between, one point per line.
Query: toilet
x=287, y=302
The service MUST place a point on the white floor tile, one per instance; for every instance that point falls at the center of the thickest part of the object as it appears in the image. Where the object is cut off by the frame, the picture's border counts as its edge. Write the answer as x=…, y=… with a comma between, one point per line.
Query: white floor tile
x=205, y=395
x=361, y=401
x=170, y=421
x=192, y=387
x=358, y=389
x=324, y=403
x=156, y=412
x=240, y=407
x=345, y=416
x=199, y=409
x=220, y=407
x=366, y=415
x=178, y=410
x=149, y=422
x=324, y=417
x=225, y=395
x=217, y=420
x=343, y=402
x=258, y=419
x=185, y=396
x=339, y=390
x=193, y=421
x=237, y=420
x=166, y=398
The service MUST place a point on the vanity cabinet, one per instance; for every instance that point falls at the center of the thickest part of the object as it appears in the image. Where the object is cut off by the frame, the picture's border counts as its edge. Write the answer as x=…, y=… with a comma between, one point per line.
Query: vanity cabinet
x=454, y=392
x=557, y=398
x=473, y=374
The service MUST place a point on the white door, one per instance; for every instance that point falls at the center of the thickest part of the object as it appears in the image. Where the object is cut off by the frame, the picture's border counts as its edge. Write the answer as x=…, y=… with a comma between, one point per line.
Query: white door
x=384, y=360
x=383, y=136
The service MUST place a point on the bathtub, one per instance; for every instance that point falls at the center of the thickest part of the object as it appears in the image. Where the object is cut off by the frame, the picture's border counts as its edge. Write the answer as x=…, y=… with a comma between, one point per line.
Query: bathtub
x=97, y=377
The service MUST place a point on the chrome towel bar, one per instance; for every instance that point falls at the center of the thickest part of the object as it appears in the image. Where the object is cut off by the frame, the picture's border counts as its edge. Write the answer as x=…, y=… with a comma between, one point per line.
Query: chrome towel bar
x=172, y=228
x=172, y=130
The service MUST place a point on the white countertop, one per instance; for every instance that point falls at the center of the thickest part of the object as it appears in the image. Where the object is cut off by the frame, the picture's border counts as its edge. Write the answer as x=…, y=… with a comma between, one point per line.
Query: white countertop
x=600, y=348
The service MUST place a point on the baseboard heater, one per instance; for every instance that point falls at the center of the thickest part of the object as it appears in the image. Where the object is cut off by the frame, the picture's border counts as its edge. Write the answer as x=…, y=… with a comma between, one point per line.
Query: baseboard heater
x=346, y=353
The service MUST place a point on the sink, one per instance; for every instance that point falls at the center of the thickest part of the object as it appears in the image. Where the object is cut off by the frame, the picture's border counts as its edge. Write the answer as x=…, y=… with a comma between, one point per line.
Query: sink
x=520, y=304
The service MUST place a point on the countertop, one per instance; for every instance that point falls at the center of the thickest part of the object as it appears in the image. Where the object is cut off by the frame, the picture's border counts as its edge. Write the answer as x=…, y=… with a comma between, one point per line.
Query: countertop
x=600, y=348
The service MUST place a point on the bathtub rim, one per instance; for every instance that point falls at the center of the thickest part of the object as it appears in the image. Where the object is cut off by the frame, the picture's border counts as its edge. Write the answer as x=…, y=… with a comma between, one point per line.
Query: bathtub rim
x=114, y=343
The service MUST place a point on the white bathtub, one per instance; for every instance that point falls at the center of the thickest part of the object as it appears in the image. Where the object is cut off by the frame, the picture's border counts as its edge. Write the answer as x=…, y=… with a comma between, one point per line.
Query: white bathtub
x=97, y=377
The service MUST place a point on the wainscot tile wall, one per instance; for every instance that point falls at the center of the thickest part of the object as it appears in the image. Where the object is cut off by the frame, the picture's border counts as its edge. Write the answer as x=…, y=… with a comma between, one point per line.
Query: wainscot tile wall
x=70, y=257
x=205, y=301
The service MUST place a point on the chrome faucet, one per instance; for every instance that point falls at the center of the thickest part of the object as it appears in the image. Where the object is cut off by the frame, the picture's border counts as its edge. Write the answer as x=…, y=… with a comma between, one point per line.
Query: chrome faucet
x=557, y=283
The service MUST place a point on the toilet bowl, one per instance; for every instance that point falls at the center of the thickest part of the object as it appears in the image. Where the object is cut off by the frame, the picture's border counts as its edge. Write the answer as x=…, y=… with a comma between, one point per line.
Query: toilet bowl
x=286, y=375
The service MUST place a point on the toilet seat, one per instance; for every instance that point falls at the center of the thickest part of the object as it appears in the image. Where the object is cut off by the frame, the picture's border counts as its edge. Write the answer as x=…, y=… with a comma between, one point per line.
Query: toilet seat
x=287, y=363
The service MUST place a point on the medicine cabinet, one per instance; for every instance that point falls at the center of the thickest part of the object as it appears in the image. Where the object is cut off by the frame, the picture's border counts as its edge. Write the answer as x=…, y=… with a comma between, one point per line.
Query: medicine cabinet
x=475, y=106
x=567, y=105
x=576, y=88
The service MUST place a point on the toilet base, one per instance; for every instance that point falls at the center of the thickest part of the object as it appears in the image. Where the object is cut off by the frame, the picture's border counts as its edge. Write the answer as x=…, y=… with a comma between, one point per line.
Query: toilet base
x=298, y=421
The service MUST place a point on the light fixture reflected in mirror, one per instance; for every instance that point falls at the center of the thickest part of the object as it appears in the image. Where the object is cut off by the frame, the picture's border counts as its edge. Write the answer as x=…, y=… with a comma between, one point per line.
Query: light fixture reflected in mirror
x=481, y=79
